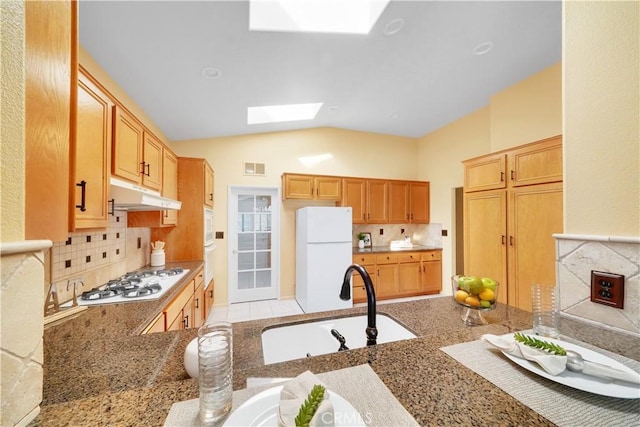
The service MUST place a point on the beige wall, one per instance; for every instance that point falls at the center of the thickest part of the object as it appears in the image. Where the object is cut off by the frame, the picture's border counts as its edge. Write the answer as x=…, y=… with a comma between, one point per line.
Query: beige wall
x=352, y=154
x=440, y=154
x=601, y=118
x=12, y=180
x=105, y=79
x=528, y=111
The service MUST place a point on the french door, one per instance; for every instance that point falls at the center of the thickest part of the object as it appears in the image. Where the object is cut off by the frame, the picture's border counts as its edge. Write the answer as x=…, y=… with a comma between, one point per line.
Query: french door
x=254, y=243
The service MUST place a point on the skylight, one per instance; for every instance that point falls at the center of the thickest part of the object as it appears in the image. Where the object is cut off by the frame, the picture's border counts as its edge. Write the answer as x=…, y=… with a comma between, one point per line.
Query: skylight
x=282, y=113
x=318, y=16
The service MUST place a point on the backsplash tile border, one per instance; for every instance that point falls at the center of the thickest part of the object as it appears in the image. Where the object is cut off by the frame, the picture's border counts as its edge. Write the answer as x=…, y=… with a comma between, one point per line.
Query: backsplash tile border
x=576, y=256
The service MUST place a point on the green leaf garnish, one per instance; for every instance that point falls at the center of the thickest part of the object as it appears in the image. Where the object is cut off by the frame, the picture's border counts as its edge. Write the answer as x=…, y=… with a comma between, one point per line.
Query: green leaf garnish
x=310, y=406
x=540, y=344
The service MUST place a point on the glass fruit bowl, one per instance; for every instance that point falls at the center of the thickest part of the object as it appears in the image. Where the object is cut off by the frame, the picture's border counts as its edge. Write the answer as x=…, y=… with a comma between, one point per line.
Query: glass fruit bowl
x=476, y=294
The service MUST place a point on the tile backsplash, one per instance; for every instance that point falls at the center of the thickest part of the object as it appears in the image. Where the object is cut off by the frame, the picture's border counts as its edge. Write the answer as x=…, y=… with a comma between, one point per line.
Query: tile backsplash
x=576, y=256
x=420, y=234
x=96, y=256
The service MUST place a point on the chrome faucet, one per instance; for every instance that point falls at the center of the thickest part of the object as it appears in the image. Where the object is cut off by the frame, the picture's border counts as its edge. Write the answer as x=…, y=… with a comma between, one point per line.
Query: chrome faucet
x=345, y=294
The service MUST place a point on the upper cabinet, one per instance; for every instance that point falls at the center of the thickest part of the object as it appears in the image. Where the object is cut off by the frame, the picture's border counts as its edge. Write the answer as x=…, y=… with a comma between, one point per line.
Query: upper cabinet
x=152, y=157
x=367, y=198
x=170, y=185
x=311, y=187
x=127, y=146
x=50, y=64
x=208, y=185
x=529, y=164
x=409, y=202
x=91, y=157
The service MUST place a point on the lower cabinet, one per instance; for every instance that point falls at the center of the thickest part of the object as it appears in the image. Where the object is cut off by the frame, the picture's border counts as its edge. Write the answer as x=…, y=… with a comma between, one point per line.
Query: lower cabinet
x=399, y=274
x=208, y=300
x=186, y=310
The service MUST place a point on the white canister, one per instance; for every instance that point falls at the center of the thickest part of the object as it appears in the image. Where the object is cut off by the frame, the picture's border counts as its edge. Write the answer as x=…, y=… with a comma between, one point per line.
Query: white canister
x=157, y=258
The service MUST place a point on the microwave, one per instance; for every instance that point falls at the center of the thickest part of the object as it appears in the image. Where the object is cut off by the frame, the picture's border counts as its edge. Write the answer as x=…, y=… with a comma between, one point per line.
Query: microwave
x=209, y=232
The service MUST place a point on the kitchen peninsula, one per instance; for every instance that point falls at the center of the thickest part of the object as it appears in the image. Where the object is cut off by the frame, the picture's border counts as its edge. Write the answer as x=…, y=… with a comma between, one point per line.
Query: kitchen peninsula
x=100, y=371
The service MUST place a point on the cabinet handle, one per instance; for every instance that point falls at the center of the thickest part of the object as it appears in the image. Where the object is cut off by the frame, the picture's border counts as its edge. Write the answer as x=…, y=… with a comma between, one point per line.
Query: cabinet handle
x=510, y=240
x=501, y=176
x=513, y=175
x=142, y=163
x=364, y=216
x=166, y=214
x=112, y=212
x=211, y=196
x=504, y=239
x=83, y=195
x=186, y=321
x=148, y=166
x=407, y=216
x=197, y=302
x=412, y=216
x=211, y=293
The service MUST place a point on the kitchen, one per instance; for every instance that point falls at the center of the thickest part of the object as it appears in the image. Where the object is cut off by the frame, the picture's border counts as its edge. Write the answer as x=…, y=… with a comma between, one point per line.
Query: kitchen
x=439, y=152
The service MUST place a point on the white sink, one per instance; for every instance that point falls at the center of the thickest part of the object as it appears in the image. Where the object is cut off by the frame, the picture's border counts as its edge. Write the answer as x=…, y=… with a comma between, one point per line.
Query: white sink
x=291, y=342
x=401, y=244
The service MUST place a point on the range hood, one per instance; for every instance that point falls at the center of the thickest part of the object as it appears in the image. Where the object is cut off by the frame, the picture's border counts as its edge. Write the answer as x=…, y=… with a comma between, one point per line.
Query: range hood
x=132, y=197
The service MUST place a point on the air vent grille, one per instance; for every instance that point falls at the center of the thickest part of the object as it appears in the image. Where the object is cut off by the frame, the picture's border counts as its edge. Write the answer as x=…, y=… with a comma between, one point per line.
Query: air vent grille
x=251, y=168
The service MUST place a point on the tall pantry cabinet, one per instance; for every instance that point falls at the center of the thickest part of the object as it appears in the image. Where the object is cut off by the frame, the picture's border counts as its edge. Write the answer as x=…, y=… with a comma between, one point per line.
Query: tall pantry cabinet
x=512, y=207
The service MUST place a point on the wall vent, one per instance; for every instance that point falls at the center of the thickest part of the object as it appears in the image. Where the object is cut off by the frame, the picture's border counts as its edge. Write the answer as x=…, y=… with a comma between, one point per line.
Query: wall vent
x=251, y=168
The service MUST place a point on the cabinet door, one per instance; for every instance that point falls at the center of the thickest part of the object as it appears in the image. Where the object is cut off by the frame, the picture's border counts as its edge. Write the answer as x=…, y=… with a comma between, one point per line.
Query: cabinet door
x=208, y=300
x=152, y=157
x=398, y=202
x=328, y=188
x=431, y=277
x=485, y=173
x=208, y=185
x=537, y=163
x=359, y=291
x=387, y=281
x=377, y=192
x=354, y=191
x=409, y=275
x=170, y=185
x=188, y=314
x=485, y=236
x=297, y=187
x=535, y=214
x=127, y=146
x=198, y=307
x=157, y=325
x=91, y=157
x=419, y=202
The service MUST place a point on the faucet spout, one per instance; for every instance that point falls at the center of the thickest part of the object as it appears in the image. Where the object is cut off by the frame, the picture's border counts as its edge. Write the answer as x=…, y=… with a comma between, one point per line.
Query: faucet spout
x=345, y=294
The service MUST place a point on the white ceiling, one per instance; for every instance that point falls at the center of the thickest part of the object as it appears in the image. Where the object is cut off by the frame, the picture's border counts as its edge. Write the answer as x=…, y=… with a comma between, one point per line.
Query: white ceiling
x=426, y=74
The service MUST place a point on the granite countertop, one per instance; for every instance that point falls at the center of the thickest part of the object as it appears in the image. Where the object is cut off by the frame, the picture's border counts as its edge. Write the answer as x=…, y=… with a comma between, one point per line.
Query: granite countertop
x=384, y=249
x=99, y=371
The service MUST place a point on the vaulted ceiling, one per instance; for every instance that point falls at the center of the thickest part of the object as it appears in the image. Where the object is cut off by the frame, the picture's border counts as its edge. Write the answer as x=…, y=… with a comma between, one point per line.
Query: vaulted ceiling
x=407, y=83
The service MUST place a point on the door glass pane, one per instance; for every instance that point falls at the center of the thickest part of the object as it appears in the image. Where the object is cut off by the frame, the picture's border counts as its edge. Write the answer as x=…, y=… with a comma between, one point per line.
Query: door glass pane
x=263, y=241
x=263, y=222
x=246, y=203
x=263, y=203
x=245, y=280
x=246, y=261
x=263, y=279
x=245, y=222
x=263, y=259
x=245, y=242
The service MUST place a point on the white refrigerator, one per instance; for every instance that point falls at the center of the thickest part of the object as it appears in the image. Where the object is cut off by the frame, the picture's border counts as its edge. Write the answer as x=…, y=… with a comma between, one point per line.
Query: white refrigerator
x=323, y=254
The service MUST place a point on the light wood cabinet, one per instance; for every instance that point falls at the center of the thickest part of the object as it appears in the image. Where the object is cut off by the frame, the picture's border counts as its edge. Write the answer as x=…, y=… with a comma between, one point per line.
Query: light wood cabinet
x=377, y=195
x=485, y=173
x=508, y=232
x=127, y=146
x=409, y=202
x=185, y=241
x=170, y=185
x=91, y=157
x=208, y=299
x=409, y=274
x=359, y=292
x=311, y=187
x=388, y=279
x=50, y=64
x=354, y=195
x=152, y=157
x=208, y=185
x=186, y=309
x=431, y=277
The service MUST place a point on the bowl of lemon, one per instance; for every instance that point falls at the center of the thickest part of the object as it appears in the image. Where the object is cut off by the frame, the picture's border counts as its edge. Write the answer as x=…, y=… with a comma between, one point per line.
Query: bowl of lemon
x=476, y=294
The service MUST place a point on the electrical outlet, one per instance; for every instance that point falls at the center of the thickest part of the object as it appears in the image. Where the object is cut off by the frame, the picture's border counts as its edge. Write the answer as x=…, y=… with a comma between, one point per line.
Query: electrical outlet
x=607, y=289
x=381, y=231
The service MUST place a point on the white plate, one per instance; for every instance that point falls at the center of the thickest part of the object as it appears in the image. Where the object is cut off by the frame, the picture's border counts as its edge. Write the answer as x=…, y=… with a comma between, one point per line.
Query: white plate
x=262, y=410
x=581, y=381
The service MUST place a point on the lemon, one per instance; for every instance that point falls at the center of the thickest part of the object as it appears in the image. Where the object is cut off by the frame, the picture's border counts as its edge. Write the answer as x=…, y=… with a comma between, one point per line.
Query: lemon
x=487, y=294
x=461, y=295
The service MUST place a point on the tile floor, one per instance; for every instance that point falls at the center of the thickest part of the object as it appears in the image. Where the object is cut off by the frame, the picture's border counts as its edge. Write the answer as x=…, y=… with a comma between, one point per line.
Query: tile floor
x=245, y=311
